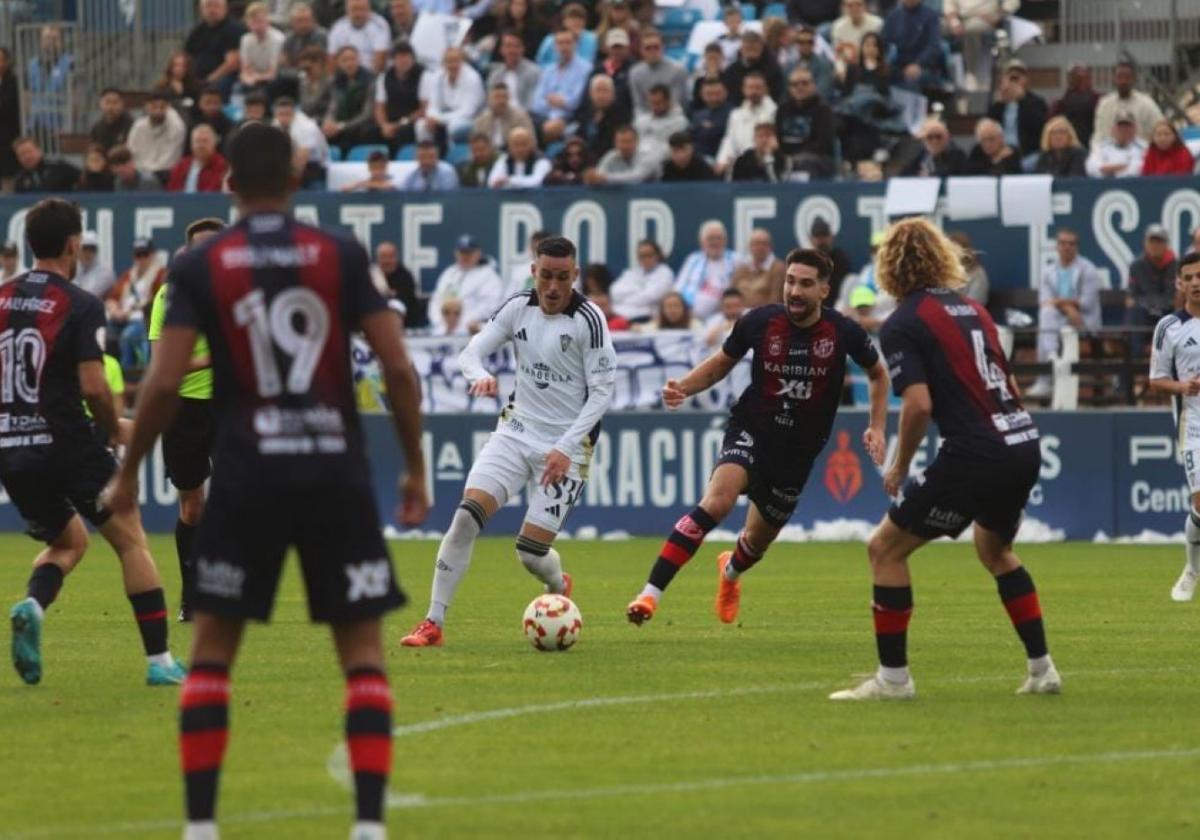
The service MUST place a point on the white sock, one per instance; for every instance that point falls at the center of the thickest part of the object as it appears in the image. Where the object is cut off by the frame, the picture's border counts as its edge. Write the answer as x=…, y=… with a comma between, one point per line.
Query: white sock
x=1192, y=532
x=368, y=831
x=454, y=558
x=206, y=830
x=896, y=676
x=164, y=659
x=542, y=562
x=653, y=591
x=1041, y=665
x=730, y=572
x=37, y=608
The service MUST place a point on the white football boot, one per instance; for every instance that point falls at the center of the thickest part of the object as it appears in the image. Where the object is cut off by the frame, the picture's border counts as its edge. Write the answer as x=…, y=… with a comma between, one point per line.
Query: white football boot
x=1048, y=682
x=1185, y=588
x=876, y=688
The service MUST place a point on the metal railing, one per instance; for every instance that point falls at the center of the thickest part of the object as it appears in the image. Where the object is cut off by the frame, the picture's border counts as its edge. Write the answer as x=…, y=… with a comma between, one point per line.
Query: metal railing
x=1151, y=31
x=1104, y=367
x=47, y=72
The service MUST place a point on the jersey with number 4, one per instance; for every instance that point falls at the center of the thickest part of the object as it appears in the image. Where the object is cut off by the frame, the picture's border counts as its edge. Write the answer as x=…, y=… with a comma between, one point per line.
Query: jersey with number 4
x=1176, y=355
x=48, y=326
x=948, y=342
x=277, y=301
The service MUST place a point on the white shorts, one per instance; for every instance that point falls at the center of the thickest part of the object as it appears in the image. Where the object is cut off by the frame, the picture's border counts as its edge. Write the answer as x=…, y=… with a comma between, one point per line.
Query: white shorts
x=506, y=465
x=1191, y=467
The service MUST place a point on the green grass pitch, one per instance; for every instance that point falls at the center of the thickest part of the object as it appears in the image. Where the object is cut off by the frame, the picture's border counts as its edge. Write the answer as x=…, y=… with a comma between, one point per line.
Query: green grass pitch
x=691, y=729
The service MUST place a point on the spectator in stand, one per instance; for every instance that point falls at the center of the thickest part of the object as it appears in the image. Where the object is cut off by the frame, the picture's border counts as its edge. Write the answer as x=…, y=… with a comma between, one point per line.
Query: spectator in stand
x=759, y=273
x=914, y=31
x=683, y=164
x=560, y=89
x=520, y=167
x=1069, y=295
x=213, y=45
x=402, y=285
x=806, y=127
x=10, y=262
x=730, y=39
x=710, y=122
x=600, y=116
x=762, y=163
x=209, y=111
x=822, y=69
x=39, y=175
x=1151, y=291
x=571, y=165
x=753, y=58
x=812, y=12
x=848, y=31
x=975, y=22
x=254, y=109
x=403, y=19
x=674, y=313
x=379, y=178
x=720, y=324
x=398, y=98
x=712, y=69
x=521, y=17
x=706, y=273
x=1167, y=154
x=1125, y=100
x=112, y=129
x=48, y=80
x=128, y=303
x=1078, y=103
x=515, y=71
x=451, y=97
x=520, y=276
x=978, y=285
x=349, y=120
x=260, y=51
x=96, y=176
x=992, y=155
x=1195, y=247
x=1121, y=155
x=364, y=30
x=574, y=20
x=639, y=290
x=316, y=83
x=304, y=32
x=309, y=148
x=655, y=69
x=474, y=171
x=871, y=69
x=616, y=64
x=91, y=274
x=780, y=41
x=656, y=126
x=180, y=82
x=451, y=321
x=1020, y=112
x=204, y=169
x=10, y=117
x=500, y=116
x=157, y=137
x=470, y=279
x=618, y=16
x=820, y=235
x=431, y=174
x=1062, y=155
x=597, y=282
x=940, y=158
x=126, y=176
x=628, y=162
x=757, y=107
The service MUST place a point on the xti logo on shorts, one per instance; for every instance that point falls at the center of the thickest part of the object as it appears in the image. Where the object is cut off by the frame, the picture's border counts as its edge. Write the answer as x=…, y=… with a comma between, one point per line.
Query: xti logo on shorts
x=368, y=580
x=216, y=577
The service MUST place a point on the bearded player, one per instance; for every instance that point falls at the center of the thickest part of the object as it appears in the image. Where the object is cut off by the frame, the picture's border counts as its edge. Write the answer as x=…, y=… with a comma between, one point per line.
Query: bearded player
x=777, y=428
x=566, y=371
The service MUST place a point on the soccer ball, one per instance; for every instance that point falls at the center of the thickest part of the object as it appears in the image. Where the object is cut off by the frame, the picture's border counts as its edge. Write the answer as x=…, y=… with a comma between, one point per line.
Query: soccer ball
x=552, y=622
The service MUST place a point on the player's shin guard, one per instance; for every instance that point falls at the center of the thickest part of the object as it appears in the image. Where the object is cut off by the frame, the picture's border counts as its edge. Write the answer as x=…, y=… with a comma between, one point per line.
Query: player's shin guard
x=892, y=608
x=683, y=543
x=1021, y=601
x=150, y=610
x=369, y=739
x=203, y=734
x=454, y=556
x=542, y=561
x=185, y=536
x=1192, y=532
x=744, y=558
x=44, y=584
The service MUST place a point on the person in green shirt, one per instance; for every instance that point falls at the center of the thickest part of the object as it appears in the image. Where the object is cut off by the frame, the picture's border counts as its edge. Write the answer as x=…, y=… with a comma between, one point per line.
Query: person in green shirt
x=187, y=444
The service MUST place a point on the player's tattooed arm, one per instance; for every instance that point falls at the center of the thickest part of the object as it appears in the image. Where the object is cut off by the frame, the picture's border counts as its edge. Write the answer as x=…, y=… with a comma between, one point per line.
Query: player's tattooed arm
x=915, y=412
x=700, y=378
x=876, y=434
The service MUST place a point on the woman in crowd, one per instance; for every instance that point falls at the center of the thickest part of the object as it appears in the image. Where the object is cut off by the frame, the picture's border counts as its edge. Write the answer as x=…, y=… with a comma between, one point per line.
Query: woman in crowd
x=1062, y=155
x=519, y=16
x=1167, y=154
x=675, y=314
x=179, y=78
x=569, y=164
x=871, y=69
x=96, y=176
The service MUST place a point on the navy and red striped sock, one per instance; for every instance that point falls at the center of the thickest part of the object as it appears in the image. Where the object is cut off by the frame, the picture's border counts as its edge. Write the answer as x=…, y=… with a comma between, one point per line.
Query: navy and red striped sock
x=1021, y=601
x=369, y=739
x=684, y=541
x=44, y=584
x=203, y=734
x=892, y=608
x=150, y=610
x=744, y=558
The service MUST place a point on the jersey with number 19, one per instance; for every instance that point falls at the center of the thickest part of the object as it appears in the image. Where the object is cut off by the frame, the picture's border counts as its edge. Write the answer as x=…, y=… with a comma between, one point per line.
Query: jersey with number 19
x=277, y=301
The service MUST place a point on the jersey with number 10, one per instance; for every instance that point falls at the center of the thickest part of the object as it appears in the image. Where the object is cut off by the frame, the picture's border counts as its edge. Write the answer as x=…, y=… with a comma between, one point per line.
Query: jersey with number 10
x=278, y=300
x=949, y=343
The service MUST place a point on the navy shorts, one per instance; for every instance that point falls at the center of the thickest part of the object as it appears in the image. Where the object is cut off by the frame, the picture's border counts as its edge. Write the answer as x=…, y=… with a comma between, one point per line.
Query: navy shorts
x=958, y=489
x=776, y=478
x=187, y=445
x=47, y=498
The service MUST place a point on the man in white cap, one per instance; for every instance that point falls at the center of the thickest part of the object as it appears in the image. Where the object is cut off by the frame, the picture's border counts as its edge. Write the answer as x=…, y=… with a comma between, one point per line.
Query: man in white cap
x=471, y=279
x=91, y=274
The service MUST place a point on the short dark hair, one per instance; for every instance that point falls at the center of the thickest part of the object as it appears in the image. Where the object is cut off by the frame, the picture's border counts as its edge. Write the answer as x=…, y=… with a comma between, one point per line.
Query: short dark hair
x=754, y=74
x=48, y=226
x=256, y=98
x=599, y=273
x=159, y=94
x=1069, y=231
x=402, y=47
x=625, y=128
x=660, y=88
x=203, y=225
x=284, y=102
x=650, y=243
x=539, y=236
x=679, y=139
x=108, y=90
x=210, y=90
x=119, y=156
x=1188, y=259
x=811, y=257
x=555, y=246
x=732, y=292
x=260, y=162
x=377, y=156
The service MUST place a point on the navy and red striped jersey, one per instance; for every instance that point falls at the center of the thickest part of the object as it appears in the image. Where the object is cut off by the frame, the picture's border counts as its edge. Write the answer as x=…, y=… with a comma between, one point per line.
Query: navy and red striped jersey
x=949, y=342
x=277, y=301
x=797, y=373
x=47, y=327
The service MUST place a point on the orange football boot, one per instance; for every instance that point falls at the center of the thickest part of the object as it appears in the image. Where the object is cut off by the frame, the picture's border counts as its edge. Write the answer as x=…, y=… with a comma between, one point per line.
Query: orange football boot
x=425, y=634
x=641, y=609
x=729, y=592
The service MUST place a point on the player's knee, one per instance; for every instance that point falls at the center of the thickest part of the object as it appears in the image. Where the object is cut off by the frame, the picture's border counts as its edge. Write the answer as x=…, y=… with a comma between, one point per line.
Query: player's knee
x=468, y=521
x=879, y=550
x=531, y=552
x=718, y=503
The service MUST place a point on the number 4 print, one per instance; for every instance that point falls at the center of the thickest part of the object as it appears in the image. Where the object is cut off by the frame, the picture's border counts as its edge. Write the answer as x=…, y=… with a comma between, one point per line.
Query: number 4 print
x=993, y=376
x=275, y=327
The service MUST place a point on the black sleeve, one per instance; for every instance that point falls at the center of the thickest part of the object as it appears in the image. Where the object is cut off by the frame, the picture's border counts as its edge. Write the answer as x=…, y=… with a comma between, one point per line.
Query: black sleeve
x=903, y=354
x=183, y=292
x=88, y=340
x=359, y=295
x=858, y=344
x=741, y=337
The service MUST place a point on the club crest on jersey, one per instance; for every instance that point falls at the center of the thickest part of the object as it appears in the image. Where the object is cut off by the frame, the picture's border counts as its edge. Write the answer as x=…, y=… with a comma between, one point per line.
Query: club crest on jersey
x=823, y=348
x=564, y=341
x=775, y=347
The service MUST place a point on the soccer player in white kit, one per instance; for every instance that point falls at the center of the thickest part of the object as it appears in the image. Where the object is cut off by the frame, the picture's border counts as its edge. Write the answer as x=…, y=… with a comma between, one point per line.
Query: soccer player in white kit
x=566, y=371
x=1175, y=370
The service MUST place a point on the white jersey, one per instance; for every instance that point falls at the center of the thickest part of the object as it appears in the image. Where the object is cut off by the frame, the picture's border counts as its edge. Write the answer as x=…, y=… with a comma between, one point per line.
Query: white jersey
x=1176, y=355
x=566, y=372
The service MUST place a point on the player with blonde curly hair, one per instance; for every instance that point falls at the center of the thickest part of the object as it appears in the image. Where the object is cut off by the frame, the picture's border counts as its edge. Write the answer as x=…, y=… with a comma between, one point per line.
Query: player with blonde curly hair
x=945, y=363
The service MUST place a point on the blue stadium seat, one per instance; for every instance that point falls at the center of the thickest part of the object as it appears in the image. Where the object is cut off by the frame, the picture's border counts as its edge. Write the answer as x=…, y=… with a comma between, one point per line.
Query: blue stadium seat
x=234, y=112
x=335, y=154
x=1190, y=132
x=674, y=19
x=458, y=153
x=778, y=10
x=678, y=53
x=359, y=154
x=408, y=152
x=749, y=12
